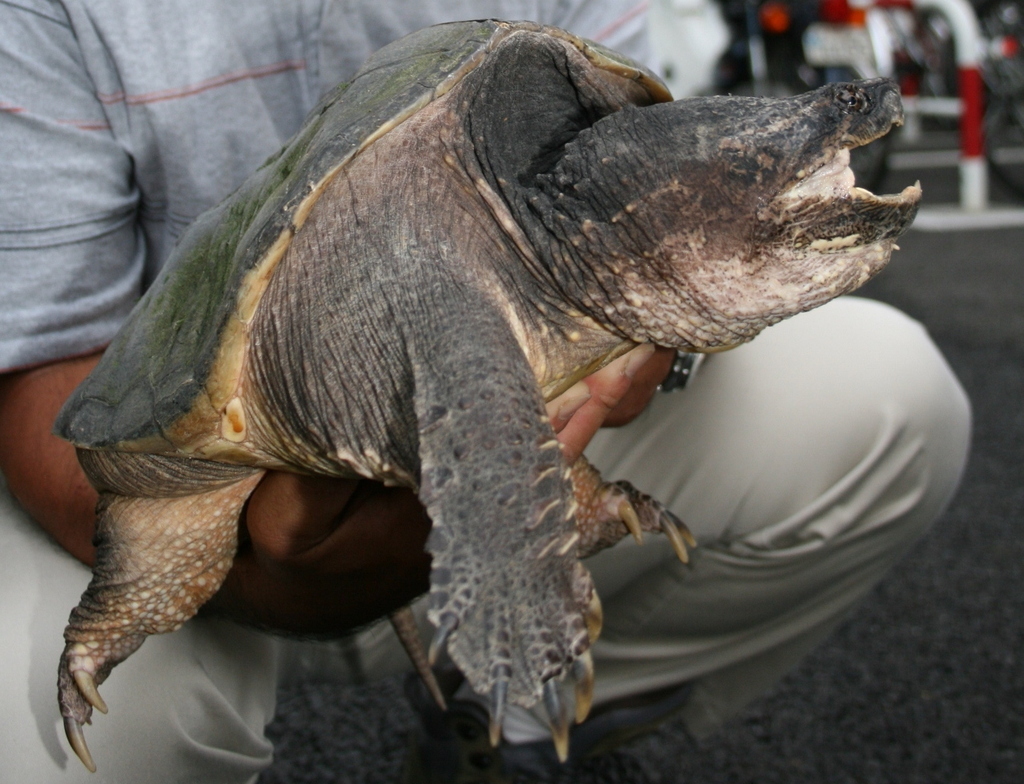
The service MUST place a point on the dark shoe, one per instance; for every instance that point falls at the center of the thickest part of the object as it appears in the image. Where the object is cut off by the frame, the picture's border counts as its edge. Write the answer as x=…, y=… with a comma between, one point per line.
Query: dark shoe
x=453, y=746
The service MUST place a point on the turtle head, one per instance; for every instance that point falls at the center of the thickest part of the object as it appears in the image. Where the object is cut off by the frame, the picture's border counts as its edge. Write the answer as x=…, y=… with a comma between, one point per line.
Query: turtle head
x=712, y=218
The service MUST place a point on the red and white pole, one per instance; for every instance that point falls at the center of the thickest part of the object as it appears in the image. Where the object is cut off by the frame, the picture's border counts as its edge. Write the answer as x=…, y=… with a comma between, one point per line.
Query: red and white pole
x=968, y=46
x=973, y=167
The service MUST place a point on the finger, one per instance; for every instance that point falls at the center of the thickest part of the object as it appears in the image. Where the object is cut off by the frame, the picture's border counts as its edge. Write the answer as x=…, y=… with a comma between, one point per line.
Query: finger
x=562, y=408
x=289, y=514
x=607, y=387
x=645, y=384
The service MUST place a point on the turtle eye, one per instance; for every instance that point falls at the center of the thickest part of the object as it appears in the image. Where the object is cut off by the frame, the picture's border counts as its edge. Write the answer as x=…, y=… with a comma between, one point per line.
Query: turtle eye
x=853, y=99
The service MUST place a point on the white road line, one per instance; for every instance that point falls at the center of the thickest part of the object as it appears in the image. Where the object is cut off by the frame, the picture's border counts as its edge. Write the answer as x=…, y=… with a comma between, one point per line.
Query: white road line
x=951, y=217
x=942, y=159
x=923, y=159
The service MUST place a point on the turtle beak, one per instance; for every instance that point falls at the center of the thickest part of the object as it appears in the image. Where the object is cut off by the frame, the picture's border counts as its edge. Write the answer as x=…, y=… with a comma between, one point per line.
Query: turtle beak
x=846, y=209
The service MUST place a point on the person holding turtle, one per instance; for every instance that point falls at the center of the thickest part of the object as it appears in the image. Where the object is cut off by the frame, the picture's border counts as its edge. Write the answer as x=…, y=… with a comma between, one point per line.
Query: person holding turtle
x=805, y=463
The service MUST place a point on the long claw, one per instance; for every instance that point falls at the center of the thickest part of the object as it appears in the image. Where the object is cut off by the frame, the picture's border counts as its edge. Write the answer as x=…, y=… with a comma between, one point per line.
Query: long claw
x=77, y=740
x=87, y=686
x=559, y=720
x=676, y=538
x=593, y=616
x=687, y=536
x=404, y=624
x=583, y=671
x=499, y=696
x=632, y=520
x=447, y=626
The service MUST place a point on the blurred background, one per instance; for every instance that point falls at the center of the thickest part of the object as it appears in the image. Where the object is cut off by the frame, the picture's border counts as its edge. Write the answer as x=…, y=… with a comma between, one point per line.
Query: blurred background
x=925, y=682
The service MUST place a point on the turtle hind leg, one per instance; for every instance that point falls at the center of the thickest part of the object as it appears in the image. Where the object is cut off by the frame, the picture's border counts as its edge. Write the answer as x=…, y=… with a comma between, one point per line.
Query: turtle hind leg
x=157, y=561
x=608, y=511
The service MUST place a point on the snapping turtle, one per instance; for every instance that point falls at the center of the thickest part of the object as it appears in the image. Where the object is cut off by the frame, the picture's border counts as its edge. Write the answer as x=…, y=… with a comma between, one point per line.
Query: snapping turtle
x=488, y=212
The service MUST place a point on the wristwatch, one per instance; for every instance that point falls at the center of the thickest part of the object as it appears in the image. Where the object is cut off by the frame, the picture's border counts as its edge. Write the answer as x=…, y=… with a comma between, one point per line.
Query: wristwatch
x=683, y=369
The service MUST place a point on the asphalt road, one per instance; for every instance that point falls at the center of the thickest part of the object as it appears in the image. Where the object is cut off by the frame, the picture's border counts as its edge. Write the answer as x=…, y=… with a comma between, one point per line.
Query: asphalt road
x=925, y=683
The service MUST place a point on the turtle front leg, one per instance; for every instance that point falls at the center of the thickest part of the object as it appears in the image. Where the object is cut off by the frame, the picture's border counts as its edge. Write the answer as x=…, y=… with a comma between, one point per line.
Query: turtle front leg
x=158, y=560
x=511, y=602
x=607, y=511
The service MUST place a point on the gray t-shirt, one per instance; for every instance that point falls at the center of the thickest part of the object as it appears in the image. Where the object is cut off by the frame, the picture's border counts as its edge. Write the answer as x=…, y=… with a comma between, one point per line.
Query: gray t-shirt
x=122, y=120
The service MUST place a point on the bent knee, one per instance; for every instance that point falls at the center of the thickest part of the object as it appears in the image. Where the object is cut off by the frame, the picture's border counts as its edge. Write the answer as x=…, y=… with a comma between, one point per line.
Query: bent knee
x=870, y=427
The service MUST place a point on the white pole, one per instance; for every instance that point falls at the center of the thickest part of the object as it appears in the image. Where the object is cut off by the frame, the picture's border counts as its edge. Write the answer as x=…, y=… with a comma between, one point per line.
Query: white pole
x=968, y=46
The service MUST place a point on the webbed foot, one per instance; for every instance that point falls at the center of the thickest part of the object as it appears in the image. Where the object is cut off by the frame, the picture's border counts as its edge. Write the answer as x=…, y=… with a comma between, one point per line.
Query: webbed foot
x=609, y=510
x=529, y=649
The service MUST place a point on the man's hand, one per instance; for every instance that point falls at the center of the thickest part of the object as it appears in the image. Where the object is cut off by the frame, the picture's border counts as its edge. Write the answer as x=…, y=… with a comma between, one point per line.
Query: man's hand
x=316, y=555
x=611, y=397
x=323, y=556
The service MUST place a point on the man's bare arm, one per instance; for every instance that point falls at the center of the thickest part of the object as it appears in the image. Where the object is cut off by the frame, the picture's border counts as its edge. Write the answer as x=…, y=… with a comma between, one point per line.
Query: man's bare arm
x=42, y=470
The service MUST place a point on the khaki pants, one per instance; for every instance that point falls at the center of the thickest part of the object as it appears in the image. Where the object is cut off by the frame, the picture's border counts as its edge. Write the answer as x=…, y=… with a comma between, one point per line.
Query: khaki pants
x=805, y=463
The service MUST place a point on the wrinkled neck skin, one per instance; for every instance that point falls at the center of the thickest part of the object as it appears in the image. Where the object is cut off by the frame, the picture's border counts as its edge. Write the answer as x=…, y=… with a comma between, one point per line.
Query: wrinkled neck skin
x=698, y=223
x=691, y=224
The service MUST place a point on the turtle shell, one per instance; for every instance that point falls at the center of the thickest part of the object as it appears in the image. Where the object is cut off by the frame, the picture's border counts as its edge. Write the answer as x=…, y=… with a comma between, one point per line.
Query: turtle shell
x=174, y=365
